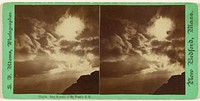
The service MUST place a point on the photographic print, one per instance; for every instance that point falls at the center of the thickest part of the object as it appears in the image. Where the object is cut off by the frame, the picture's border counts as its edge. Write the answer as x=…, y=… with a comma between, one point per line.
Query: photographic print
x=56, y=49
x=142, y=50
x=100, y=50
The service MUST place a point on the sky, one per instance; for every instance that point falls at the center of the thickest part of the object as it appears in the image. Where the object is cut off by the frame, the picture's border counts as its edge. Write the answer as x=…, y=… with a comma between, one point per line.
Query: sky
x=54, y=46
x=141, y=47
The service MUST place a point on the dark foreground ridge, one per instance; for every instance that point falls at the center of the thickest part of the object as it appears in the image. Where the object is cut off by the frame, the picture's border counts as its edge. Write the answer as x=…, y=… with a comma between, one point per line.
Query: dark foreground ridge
x=175, y=85
x=86, y=84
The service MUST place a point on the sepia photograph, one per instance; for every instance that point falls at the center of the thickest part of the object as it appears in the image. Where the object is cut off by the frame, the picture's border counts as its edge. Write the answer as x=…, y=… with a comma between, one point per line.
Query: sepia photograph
x=62, y=49
x=100, y=50
x=142, y=49
x=56, y=49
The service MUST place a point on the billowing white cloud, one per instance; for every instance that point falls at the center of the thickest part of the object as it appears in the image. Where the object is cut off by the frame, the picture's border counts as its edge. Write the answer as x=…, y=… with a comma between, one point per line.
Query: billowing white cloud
x=25, y=48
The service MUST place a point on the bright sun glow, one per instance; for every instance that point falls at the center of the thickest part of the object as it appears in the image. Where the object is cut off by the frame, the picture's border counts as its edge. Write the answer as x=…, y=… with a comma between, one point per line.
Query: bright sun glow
x=161, y=63
x=70, y=28
x=160, y=27
x=71, y=62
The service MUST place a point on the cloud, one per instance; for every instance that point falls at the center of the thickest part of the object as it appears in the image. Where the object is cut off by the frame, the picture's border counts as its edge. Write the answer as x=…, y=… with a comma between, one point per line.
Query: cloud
x=132, y=13
x=115, y=47
x=42, y=13
x=38, y=40
x=174, y=50
x=90, y=14
x=25, y=48
x=55, y=64
x=89, y=42
x=33, y=67
x=80, y=48
x=131, y=65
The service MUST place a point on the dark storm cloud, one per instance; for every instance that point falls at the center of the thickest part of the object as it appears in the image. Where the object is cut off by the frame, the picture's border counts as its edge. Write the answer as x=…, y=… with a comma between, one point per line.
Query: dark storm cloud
x=69, y=44
x=139, y=14
x=131, y=65
x=89, y=42
x=42, y=13
x=110, y=26
x=107, y=51
x=69, y=50
x=91, y=21
x=171, y=12
x=89, y=32
x=177, y=15
x=94, y=51
x=80, y=48
x=23, y=25
x=32, y=36
x=80, y=52
x=121, y=29
x=174, y=50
